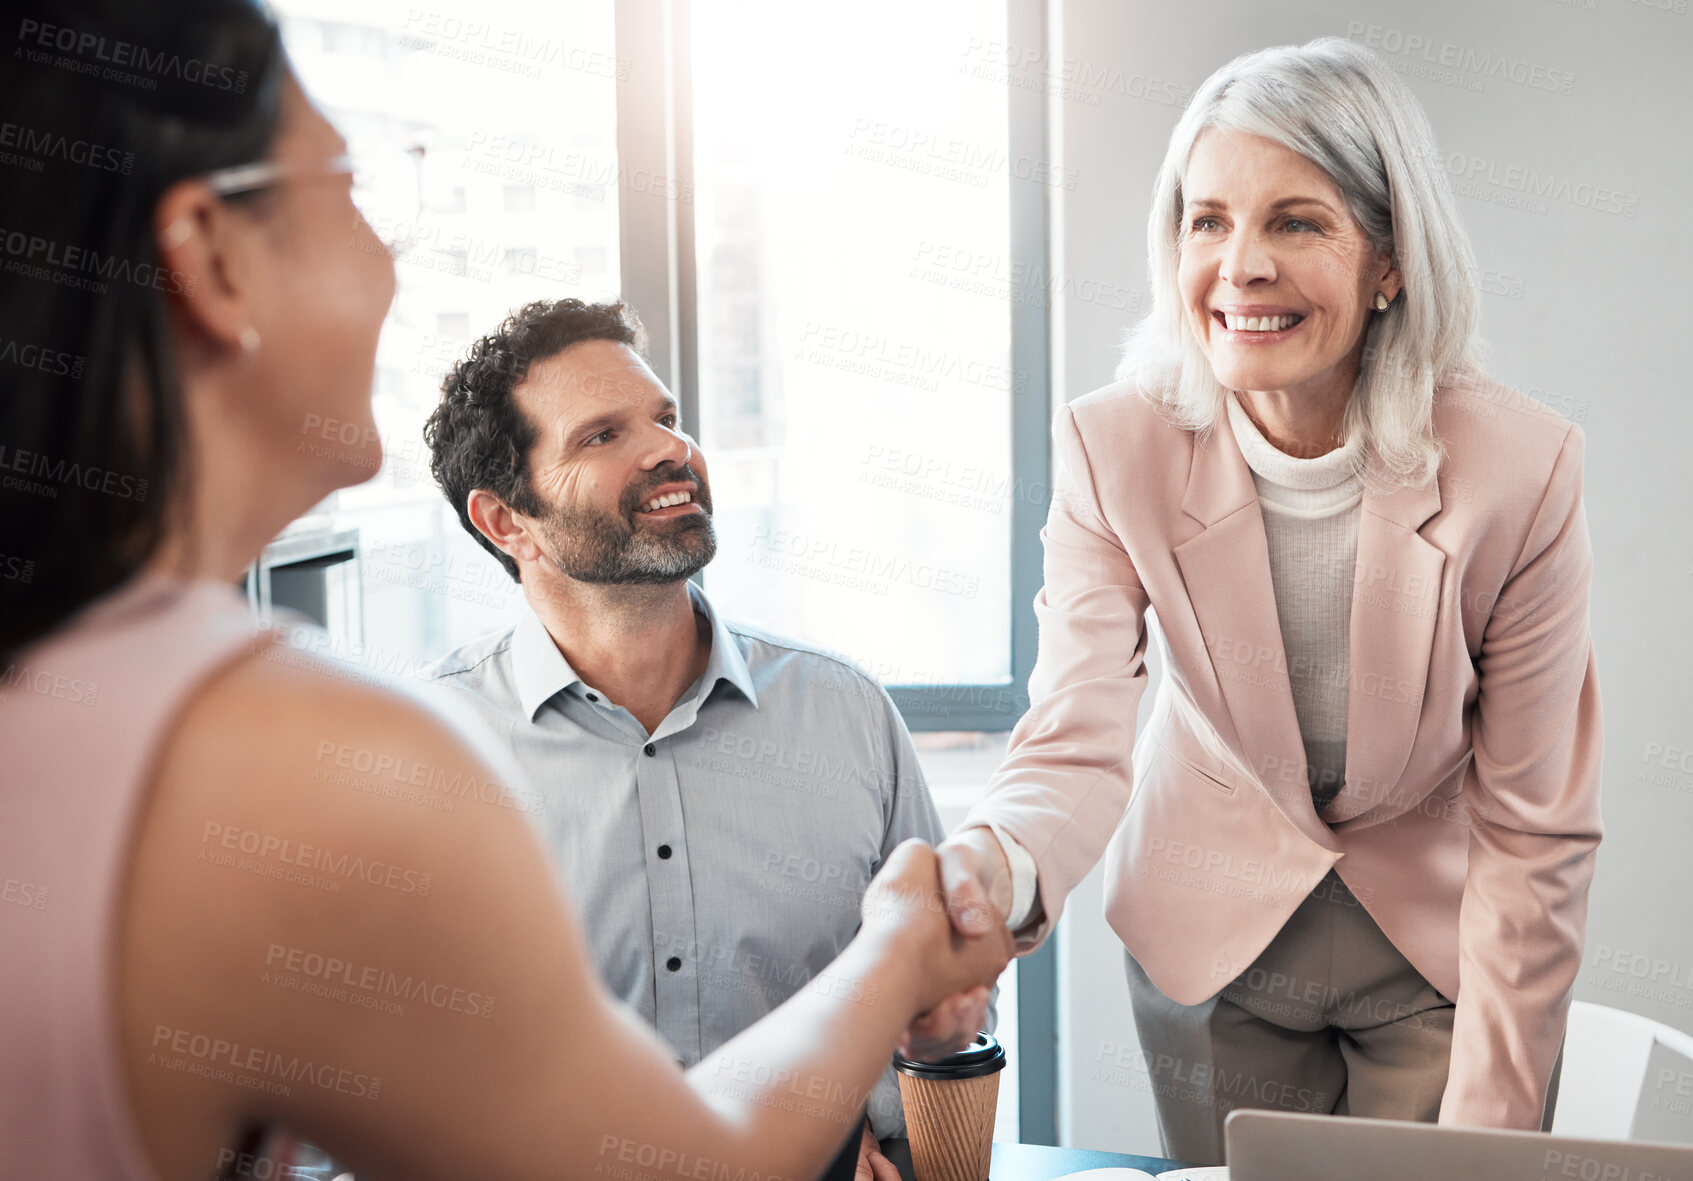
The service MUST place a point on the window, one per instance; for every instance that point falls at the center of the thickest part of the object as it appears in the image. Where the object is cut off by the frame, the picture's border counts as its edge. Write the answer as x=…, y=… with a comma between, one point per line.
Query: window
x=520, y=198
x=522, y=260
x=857, y=381
x=866, y=514
x=481, y=91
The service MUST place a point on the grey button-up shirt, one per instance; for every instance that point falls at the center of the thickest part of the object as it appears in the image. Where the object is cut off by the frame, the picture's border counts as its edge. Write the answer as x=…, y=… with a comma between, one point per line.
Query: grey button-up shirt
x=719, y=862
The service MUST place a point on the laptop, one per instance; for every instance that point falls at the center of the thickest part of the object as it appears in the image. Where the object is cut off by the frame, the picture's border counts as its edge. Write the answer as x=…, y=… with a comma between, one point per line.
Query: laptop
x=1284, y=1146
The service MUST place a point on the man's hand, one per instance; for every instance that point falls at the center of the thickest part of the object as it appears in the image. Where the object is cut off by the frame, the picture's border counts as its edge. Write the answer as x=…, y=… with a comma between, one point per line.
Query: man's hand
x=947, y=1028
x=872, y=1165
x=976, y=879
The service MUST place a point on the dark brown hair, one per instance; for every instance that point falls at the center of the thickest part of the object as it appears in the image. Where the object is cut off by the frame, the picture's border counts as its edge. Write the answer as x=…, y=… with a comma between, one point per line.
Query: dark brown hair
x=477, y=437
x=92, y=434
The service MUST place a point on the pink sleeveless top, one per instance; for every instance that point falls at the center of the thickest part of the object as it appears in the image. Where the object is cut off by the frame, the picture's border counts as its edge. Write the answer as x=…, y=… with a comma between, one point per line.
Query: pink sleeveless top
x=82, y=717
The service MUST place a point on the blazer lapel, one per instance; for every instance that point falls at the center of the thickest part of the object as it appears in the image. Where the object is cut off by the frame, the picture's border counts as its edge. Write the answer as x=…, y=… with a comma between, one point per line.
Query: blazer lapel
x=1395, y=603
x=1226, y=569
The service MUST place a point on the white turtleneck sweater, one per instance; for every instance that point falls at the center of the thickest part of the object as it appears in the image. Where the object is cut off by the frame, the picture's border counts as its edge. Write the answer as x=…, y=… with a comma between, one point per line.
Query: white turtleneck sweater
x=1310, y=509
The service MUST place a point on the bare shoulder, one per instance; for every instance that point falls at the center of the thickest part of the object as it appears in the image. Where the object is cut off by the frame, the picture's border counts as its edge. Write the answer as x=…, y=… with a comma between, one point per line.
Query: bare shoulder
x=298, y=816
x=274, y=696
x=304, y=784
x=294, y=718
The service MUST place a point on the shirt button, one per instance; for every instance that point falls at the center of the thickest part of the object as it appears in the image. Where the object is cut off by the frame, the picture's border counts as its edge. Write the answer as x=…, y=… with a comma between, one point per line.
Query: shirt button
x=674, y=963
x=593, y=697
x=649, y=750
x=664, y=852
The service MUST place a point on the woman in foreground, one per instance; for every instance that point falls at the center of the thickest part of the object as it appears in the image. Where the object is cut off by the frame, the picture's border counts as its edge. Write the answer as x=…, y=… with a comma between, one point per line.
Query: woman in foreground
x=205, y=924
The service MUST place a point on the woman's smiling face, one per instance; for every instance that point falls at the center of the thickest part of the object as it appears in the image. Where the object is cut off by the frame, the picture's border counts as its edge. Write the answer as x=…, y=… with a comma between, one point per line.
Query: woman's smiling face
x=1276, y=277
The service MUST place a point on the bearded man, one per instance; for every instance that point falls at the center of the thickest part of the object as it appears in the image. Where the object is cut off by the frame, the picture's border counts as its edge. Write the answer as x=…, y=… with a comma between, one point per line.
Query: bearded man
x=717, y=797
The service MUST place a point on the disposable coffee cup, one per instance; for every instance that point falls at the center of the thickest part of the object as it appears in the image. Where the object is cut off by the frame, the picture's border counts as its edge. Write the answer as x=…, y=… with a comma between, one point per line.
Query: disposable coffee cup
x=949, y=1110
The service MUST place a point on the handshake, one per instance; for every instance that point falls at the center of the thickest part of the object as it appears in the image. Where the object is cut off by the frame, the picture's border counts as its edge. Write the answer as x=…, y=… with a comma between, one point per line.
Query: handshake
x=942, y=912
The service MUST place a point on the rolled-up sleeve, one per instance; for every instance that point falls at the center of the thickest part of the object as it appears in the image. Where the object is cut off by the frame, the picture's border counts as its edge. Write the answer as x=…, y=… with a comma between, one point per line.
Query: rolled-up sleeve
x=1067, y=775
x=1532, y=798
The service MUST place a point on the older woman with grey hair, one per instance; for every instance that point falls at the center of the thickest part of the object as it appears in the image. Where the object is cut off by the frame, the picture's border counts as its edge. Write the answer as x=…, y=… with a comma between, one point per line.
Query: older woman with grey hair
x=1348, y=855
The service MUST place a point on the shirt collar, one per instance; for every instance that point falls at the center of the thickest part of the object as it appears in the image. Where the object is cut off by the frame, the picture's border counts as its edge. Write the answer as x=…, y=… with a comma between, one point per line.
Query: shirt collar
x=541, y=672
x=727, y=662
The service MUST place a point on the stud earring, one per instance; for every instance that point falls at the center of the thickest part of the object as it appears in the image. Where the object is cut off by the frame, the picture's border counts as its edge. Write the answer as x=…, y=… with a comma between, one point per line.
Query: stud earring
x=249, y=339
x=175, y=234
x=1382, y=301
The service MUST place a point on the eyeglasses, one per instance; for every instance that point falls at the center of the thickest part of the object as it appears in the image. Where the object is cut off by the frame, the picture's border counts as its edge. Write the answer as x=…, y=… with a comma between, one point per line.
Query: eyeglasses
x=387, y=185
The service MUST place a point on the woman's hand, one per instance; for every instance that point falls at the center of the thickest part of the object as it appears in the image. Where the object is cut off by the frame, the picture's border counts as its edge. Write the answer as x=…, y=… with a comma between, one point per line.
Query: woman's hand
x=976, y=878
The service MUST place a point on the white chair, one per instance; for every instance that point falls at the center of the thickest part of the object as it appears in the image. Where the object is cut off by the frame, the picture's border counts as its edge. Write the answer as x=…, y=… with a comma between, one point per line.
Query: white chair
x=1625, y=1077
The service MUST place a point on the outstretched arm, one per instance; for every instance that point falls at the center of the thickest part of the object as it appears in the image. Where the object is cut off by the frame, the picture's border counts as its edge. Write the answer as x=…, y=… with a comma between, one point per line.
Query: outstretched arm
x=1067, y=778
x=383, y=960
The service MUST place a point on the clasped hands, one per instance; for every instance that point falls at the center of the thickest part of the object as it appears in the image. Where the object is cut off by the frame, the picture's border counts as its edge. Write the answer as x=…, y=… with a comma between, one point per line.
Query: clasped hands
x=951, y=903
x=954, y=900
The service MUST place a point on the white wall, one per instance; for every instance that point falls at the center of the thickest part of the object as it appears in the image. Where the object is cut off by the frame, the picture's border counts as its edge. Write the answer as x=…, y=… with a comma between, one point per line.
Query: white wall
x=1588, y=310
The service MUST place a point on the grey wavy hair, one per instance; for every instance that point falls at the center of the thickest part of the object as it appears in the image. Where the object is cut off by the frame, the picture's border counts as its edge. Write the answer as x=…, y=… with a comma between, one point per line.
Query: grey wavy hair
x=1340, y=107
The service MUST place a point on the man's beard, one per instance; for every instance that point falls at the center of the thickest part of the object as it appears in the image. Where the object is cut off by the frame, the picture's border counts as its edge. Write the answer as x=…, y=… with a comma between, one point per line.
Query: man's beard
x=614, y=547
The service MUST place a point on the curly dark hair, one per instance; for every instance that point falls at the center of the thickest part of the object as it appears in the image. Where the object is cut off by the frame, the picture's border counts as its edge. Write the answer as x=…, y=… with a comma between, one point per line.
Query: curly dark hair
x=477, y=436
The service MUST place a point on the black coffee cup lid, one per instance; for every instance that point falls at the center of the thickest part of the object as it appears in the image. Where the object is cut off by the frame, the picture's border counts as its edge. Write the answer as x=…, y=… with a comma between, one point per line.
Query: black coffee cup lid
x=982, y=1056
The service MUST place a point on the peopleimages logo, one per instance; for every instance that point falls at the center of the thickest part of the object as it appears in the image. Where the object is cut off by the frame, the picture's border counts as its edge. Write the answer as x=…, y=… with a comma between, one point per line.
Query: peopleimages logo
x=36, y=142
x=74, y=690
x=1451, y=55
x=263, y=847
x=252, y=1066
x=35, y=257
x=53, y=362
x=381, y=986
x=101, y=55
x=66, y=472
x=1466, y=170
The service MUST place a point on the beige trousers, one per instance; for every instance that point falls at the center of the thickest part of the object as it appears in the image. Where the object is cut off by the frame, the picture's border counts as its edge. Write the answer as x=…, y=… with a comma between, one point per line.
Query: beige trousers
x=1331, y=1018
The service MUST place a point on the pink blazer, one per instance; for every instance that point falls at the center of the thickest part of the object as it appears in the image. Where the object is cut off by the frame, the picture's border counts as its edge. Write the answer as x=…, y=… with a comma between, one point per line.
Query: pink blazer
x=1470, y=813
